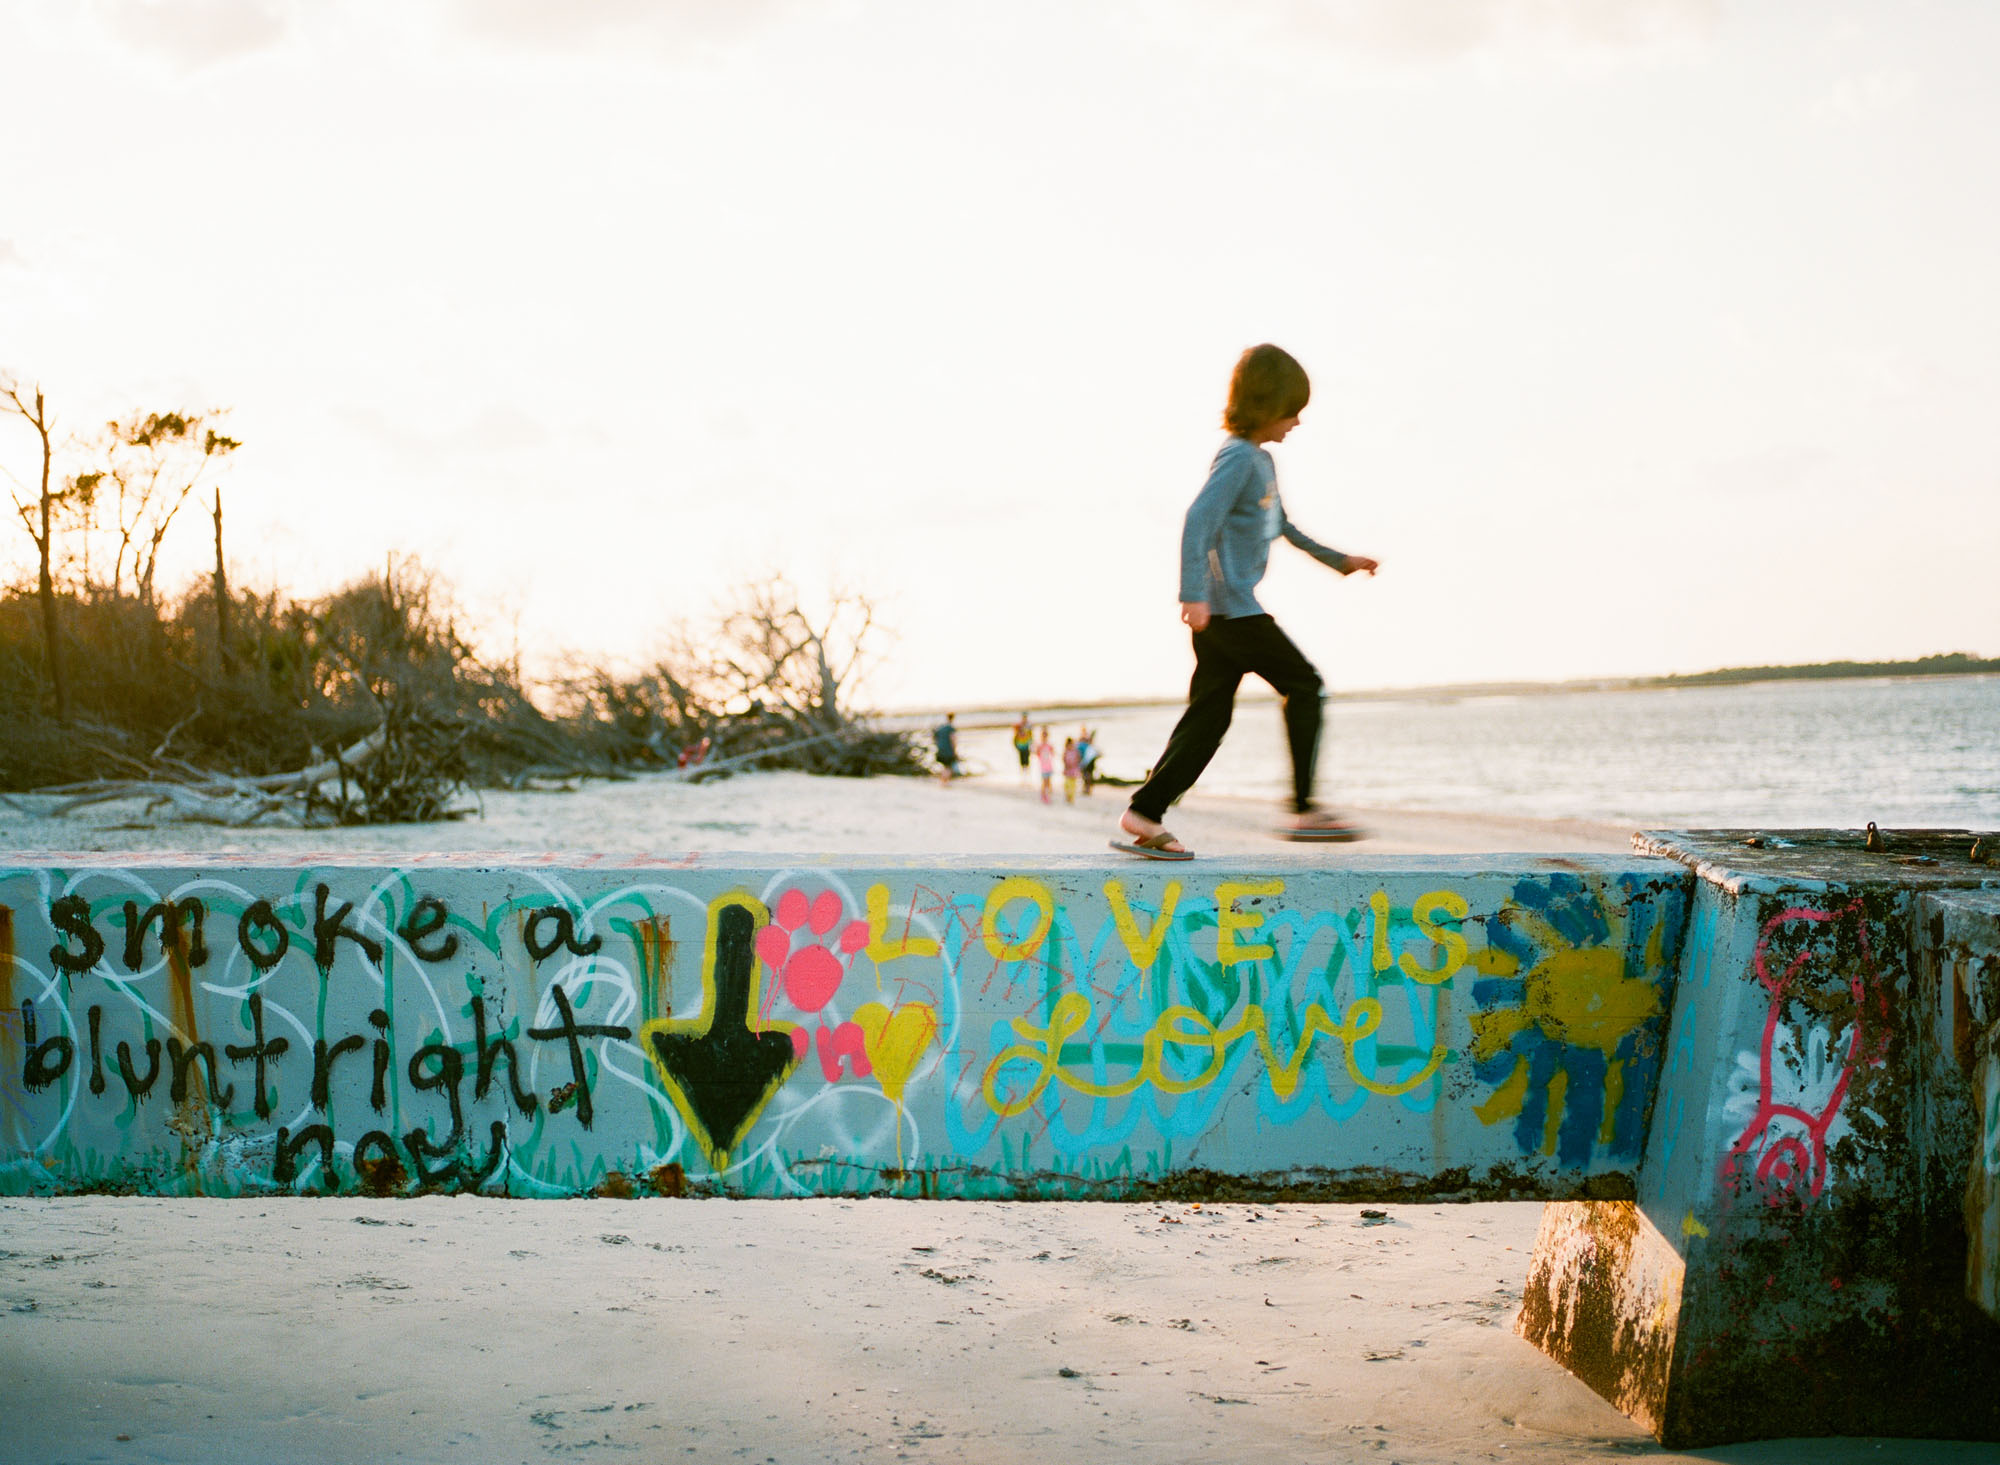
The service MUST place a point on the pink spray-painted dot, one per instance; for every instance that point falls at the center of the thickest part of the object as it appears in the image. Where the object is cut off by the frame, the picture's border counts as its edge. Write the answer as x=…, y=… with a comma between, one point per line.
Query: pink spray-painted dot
x=772, y=945
x=855, y=937
x=812, y=976
x=801, y=1045
x=792, y=909
x=825, y=911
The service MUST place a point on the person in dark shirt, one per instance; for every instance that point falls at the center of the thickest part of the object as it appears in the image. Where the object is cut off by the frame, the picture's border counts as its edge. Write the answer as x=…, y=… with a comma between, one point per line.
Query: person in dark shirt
x=945, y=738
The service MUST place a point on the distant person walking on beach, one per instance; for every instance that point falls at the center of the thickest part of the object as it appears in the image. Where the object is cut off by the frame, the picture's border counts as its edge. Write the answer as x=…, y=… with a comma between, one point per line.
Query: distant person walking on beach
x=1045, y=757
x=1072, y=769
x=1086, y=757
x=1225, y=546
x=1024, y=744
x=944, y=737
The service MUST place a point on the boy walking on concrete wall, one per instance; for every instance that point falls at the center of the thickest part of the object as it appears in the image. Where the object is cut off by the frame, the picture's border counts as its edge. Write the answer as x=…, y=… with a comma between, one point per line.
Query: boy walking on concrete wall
x=1225, y=547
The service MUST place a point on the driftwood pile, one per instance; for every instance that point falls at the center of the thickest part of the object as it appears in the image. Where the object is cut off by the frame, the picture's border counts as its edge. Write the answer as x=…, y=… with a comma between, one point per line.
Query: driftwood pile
x=379, y=672
x=405, y=770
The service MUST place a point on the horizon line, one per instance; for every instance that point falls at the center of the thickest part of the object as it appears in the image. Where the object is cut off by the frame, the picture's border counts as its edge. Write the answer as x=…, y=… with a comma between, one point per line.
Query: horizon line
x=1964, y=663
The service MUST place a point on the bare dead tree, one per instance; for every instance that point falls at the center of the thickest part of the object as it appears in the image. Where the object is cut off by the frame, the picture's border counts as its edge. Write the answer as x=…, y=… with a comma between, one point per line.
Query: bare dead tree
x=221, y=588
x=773, y=683
x=152, y=463
x=77, y=504
x=772, y=650
x=39, y=519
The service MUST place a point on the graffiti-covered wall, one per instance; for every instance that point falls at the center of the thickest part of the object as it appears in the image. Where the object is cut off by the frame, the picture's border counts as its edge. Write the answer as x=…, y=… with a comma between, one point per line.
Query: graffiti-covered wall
x=1052, y=1028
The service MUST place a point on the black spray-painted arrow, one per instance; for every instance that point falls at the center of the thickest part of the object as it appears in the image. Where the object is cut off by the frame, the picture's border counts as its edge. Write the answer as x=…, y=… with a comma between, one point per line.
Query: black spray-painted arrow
x=723, y=1075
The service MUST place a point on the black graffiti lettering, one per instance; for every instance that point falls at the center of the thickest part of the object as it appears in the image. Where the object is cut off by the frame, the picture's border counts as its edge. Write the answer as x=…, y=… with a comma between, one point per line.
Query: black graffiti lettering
x=379, y=1095
x=172, y=942
x=323, y=1056
x=419, y=1145
x=490, y=1053
x=70, y=915
x=496, y=1146
x=182, y=1057
x=133, y=1086
x=377, y=1165
x=450, y=1072
x=260, y=917
x=329, y=929
x=569, y=1032
x=285, y=1168
x=46, y=1061
x=428, y=917
x=564, y=938
x=384, y=1161
x=96, y=1052
x=260, y=1050
x=456, y=1171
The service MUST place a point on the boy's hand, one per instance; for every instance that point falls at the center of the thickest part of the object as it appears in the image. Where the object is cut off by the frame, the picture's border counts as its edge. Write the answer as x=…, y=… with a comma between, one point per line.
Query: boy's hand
x=1359, y=562
x=1195, y=613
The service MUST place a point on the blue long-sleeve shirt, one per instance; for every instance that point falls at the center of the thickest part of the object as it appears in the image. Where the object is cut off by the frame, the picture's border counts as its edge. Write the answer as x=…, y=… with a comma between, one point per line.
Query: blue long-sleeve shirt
x=1226, y=542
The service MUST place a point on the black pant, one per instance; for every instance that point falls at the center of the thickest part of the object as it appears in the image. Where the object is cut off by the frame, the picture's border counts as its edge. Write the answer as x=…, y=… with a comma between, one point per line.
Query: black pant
x=1230, y=648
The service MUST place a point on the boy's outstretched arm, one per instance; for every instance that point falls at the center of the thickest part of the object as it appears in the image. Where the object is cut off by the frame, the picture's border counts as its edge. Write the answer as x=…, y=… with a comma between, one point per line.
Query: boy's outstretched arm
x=1346, y=564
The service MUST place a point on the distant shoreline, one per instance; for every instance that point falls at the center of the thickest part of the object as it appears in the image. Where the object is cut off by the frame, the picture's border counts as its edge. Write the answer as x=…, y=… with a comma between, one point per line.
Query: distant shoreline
x=1949, y=664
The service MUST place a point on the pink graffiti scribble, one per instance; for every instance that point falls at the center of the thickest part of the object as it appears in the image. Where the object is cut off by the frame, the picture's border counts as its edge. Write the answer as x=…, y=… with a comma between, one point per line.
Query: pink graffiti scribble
x=811, y=974
x=1790, y=1141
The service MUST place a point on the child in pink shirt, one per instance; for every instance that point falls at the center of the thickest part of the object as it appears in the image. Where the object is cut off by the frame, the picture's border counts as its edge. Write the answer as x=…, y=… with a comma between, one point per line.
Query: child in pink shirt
x=1045, y=759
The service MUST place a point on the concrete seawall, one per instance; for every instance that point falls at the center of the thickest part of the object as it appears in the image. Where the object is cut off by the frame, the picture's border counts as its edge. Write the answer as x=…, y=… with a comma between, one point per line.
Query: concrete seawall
x=1269, y=1027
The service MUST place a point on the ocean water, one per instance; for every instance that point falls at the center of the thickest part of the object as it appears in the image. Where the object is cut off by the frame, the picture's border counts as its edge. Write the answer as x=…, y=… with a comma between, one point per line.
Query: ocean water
x=1901, y=751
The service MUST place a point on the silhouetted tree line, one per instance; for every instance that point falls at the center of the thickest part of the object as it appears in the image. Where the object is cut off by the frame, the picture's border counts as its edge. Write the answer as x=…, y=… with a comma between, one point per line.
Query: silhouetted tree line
x=1948, y=663
x=366, y=705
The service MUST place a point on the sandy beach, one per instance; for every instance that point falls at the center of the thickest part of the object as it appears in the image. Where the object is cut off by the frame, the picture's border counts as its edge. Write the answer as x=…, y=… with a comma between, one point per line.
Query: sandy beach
x=798, y=813
x=139, y=1329
x=788, y=1331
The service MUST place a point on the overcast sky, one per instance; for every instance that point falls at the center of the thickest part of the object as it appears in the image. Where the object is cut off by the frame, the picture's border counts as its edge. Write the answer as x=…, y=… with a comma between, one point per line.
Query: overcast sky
x=1644, y=336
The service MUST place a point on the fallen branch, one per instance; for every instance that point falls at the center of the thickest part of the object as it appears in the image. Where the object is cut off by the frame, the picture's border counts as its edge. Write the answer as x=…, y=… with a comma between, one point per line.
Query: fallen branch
x=354, y=756
x=167, y=741
x=695, y=771
x=207, y=797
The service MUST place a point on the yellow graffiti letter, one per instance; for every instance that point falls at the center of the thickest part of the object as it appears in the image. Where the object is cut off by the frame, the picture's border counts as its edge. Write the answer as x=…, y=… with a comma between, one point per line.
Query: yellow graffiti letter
x=1229, y=920
x=1379, y=904
x=1017, y=887
x=1144, y=949
x=880, y=947
x=1043, y=1048
x=1453, y=957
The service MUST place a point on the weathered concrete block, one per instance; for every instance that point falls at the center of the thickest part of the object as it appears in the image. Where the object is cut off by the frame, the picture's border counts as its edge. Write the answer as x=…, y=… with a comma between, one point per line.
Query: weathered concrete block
x=1603, y=1290
x=1798, y=1237
x=1958, y=937
x=1282, y=1026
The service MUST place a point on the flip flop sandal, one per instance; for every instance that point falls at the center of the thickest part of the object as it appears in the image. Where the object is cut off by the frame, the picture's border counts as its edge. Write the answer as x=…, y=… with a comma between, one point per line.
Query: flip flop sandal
x=1154, y=847
x=1337, y=831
